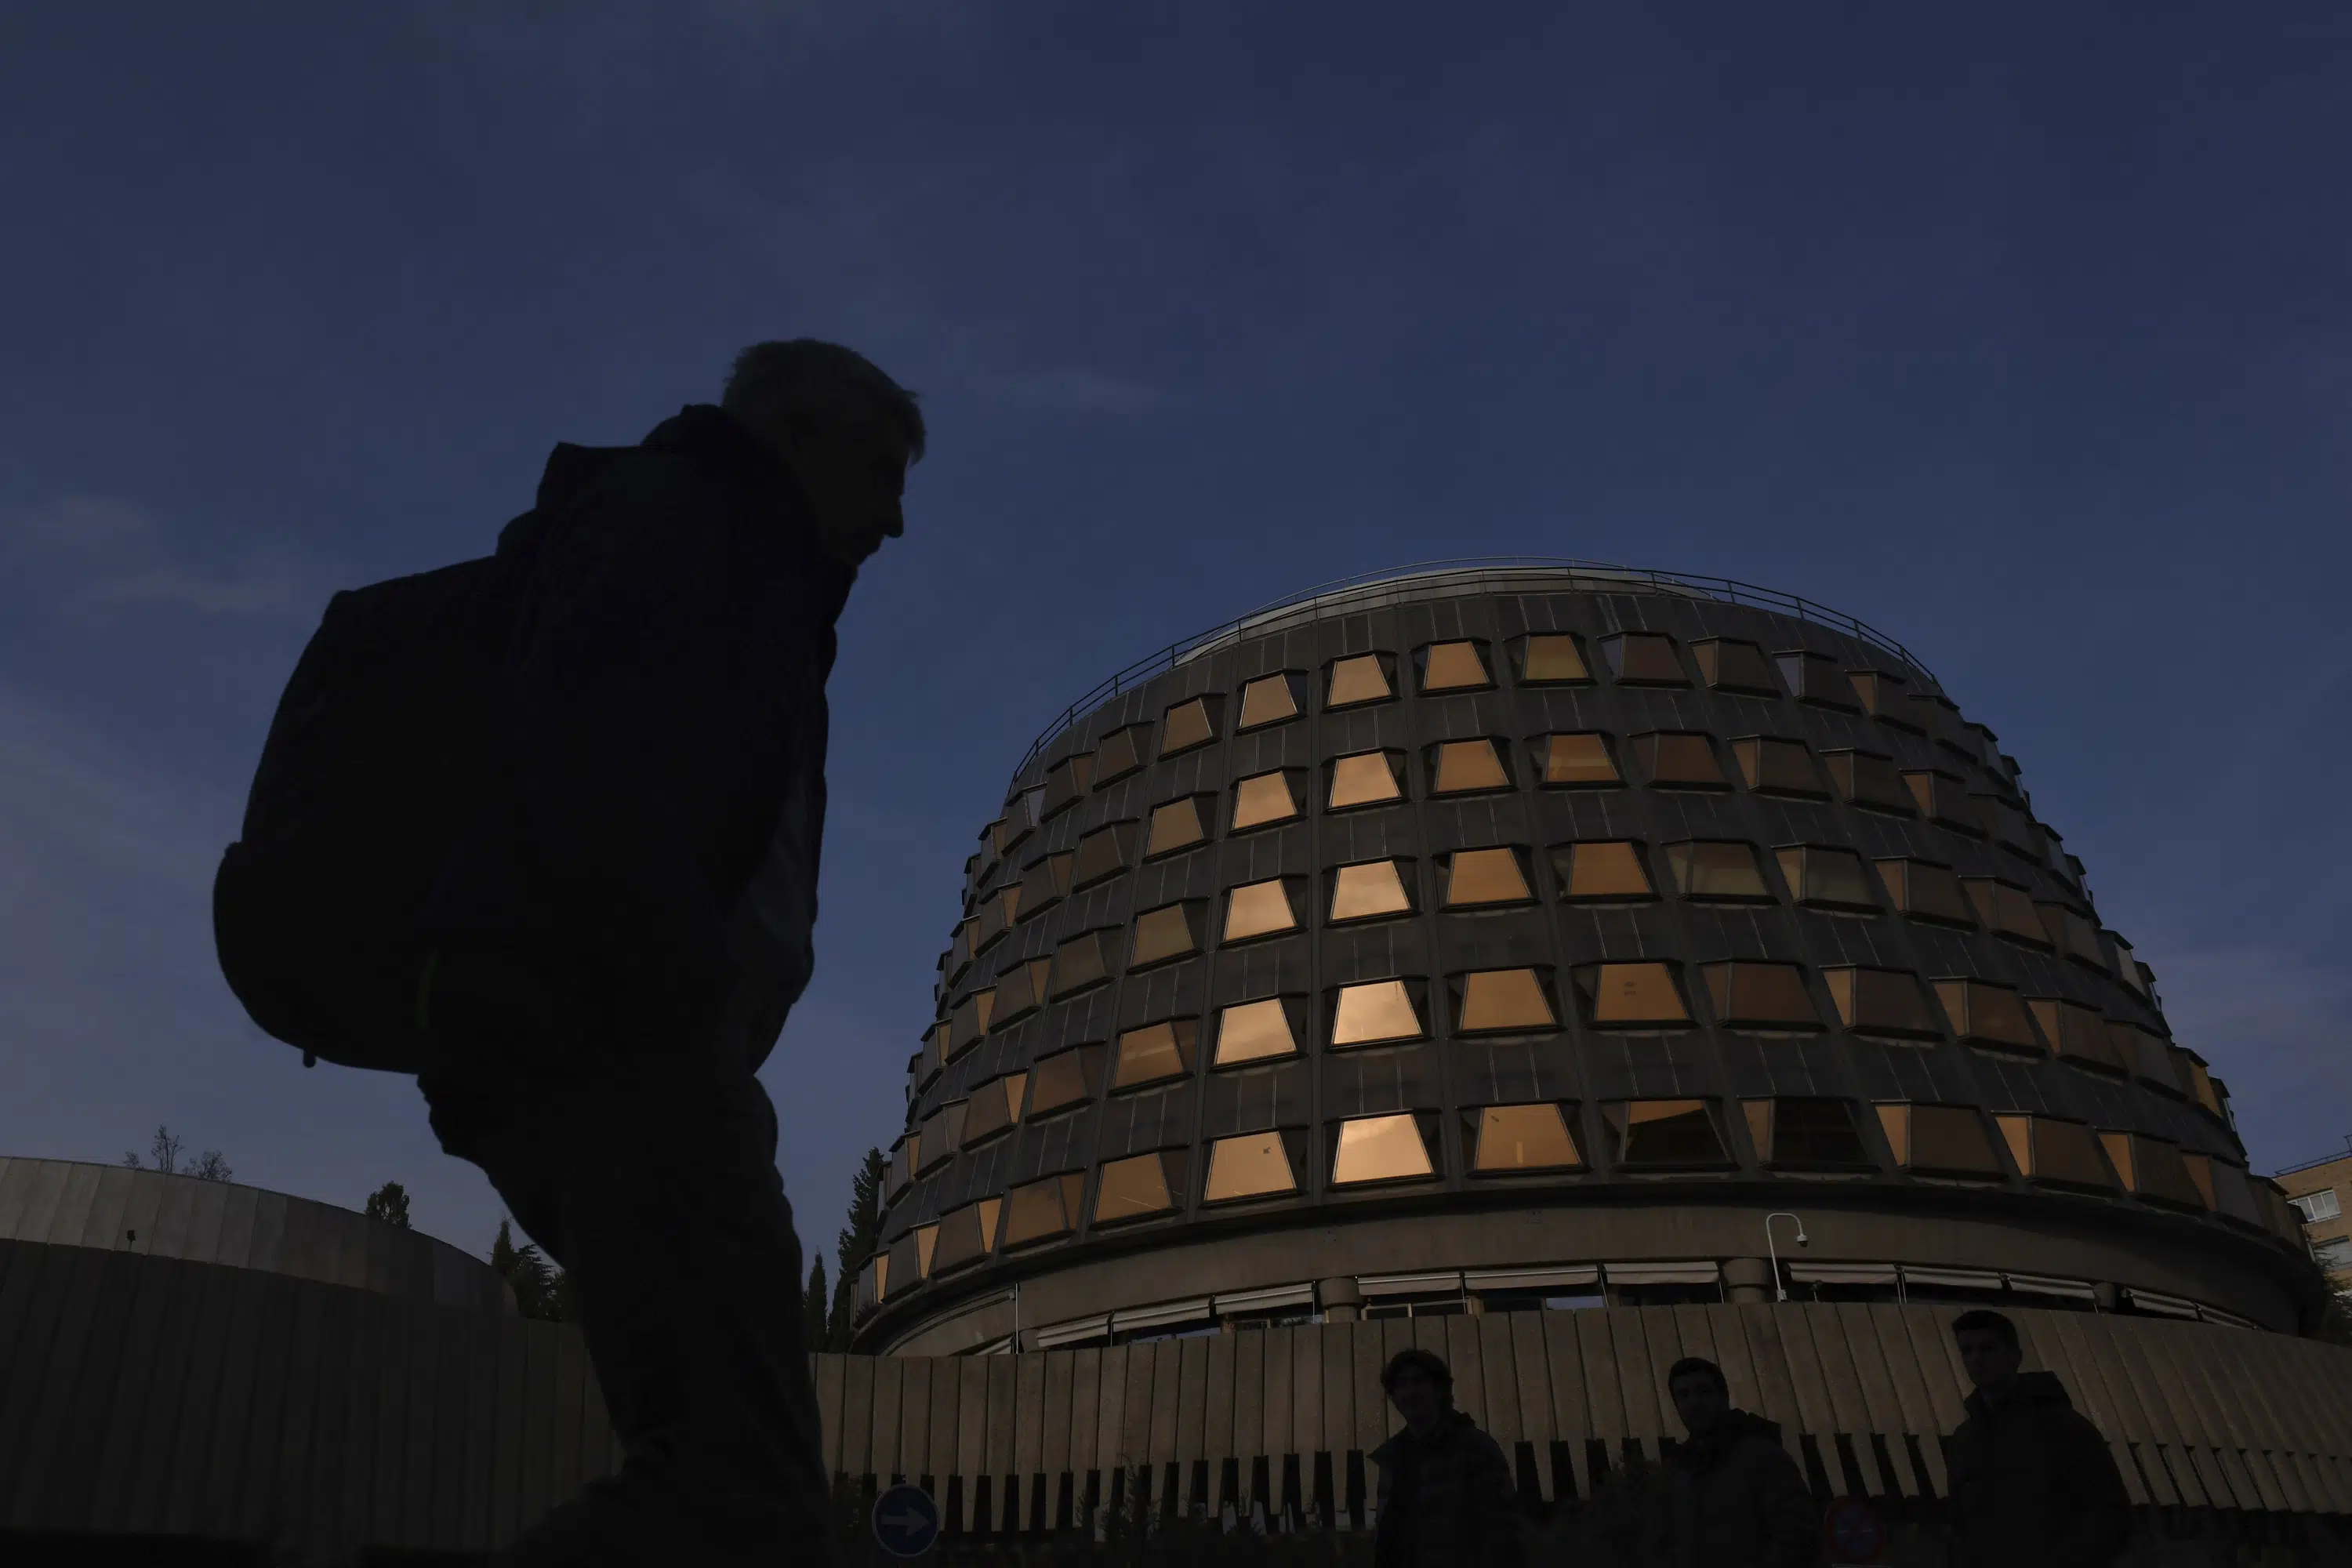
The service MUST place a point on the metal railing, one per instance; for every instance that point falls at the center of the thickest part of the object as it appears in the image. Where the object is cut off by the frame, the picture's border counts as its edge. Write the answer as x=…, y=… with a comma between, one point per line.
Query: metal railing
x=1597, y=575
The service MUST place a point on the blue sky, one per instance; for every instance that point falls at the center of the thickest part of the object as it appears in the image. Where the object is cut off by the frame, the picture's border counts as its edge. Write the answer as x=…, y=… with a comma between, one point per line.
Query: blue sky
x=2026, y=336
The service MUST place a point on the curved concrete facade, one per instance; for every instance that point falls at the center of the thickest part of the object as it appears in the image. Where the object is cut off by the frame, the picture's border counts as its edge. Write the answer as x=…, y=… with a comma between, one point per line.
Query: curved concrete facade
x=1477, y=938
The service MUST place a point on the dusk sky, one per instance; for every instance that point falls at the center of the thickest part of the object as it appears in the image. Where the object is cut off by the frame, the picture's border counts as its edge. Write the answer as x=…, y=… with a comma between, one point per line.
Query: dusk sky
x=2023, y=334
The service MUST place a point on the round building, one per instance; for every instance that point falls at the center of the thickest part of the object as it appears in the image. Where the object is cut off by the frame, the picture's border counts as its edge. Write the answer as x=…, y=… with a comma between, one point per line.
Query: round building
x=1533, y=934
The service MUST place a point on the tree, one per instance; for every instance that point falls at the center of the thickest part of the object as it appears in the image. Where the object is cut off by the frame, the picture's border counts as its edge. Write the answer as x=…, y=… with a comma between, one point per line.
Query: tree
x=539, y=1288
x=856, y=1243
x=210, y=1167
x=165, y=1151
x=813, y=1307
x=389, y=1203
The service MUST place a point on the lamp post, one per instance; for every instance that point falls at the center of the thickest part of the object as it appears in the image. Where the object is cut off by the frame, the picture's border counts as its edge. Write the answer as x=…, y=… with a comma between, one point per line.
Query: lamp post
x=1780, y=1291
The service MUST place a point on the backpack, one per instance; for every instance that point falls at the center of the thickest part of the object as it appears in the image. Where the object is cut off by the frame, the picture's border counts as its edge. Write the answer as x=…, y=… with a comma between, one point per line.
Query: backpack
x=379, y=757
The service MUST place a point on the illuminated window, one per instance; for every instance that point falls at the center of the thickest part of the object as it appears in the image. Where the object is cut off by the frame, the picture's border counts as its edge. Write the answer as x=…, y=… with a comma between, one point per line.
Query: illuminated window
x=1019, y=991
x=996, y=916
x=1503, y=999
x=1804, y=1133
x=1370, y=891
x=1121, y=753
x=1083, y=960
x=1609, y=869
x=1511, y=1138
x=1189, y=724
x=1254, y=1165
x=1380, y=1148
x=2200, y=1082
x=1760, y=995
x=1169, y=932
x=1155, y=1053
x=1644, y=659
x=1253, y=1031
x=1269, y=700
x=2007, y=910
x=1830, y=879
x=2078, y=1034
x=1366, y=778
x=1666, y=1133
x=1263, y=799
x=1816, y=678
x=1869, y=781
x=1677, y=761
x=1942, y=799
x=1362, y=679
x=1883, y=695
x=995, y=1106
x=1947, y=1140
x=1580, y=760
x=969, y=1022
x=1880, y=1001
x=1176, y=827
x=1484, y=877
x=1465, y=767
x=1106, y=852
x=1454, y=667
x=1139, y=1187
x=1987, y=1015
x=1550, y=658
x=1632, y=995
x=1720, y=869
x=1374, y=1012
x=1727, y=664
x=966, y=1236
x=1045, y=883
x=1926, y=892
x=2048, y=1150
x=1259, y=909
x=1064, y=1079
x=909, y=1260
x=2153, y=1170
x=1041, y=1210
x=1777, y=767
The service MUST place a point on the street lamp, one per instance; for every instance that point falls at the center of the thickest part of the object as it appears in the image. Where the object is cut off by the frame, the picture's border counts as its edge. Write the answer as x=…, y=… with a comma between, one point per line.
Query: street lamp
x=1780, y=1291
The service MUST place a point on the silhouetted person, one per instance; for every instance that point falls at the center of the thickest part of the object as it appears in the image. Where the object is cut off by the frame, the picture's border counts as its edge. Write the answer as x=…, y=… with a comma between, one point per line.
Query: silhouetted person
x=2033, y=1485
x=1737, y=1500
x=1445, y=1495
x=614, y=946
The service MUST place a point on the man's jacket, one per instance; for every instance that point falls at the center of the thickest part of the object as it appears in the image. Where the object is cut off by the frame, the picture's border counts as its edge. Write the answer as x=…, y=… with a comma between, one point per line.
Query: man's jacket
x=1444, y=1500
x=643, y=877
x=2033, y=1485
x=1738, y=1501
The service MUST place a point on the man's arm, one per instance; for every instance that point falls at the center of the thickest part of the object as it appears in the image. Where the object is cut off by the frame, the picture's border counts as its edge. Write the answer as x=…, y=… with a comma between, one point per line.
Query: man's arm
x=1790, y=1524
x=2098, y=1523
x=1495, y=1503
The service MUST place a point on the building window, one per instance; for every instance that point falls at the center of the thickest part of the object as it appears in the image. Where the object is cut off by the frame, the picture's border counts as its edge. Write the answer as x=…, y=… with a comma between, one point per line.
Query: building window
x=966, y=1236
x=1106, y=852
x=1380, y=1148
x=1139, y=1187
x=1818, y=678
x=1020, y=990
x=1988, y=1014
x=1869, y=781
x=1458, y=666
x=1167, y=933
x=1259, y=909
x=1580, y=760
x=1805, y=1133
x=1602, y=869
x=1045, y=883
x=1178, y=826
x=1644, y=659
x=1121, y=753
x=1063, y=1080
x=2006, y=909
x=1253, y=1032
x=1728, y=664
x=1882, y=696
x=1187, y=725
x=1550, y=658
x=995, y=1106
x=1492, y=1001
x=1254, y=1165
x=1944, y=800
x=1778, y=767
x=1366, y=778
x=2048, y=1150
x=1263, y=799
x=1721, y=870
x=1880, y=1001
x=2152, y=1169
x=1748, y=995
x=2319, y=1206
x=1926, y=892
x=1370, y=891
x=1677, y=760
x=1065, y=783
x=1631, y=996
x=2078, y=1034
x=969, y=1022
x=1354, y=682
x=1466, y=767
x=1512, y=1138
x=1483, y=878
x=1041, y=1210
x=1665, y=1134
x=2334, y=1254
x=1826, y=878
x=2072, y=935
x=1375, y=1012
x=996, y=916
x=1269, y=700
x=1946, y=1140
x=1155, y=1053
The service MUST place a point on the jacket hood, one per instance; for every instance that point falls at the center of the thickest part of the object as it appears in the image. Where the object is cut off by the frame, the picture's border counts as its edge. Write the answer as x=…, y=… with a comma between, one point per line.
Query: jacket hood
x=1449, y=1422
x=2032, y=1390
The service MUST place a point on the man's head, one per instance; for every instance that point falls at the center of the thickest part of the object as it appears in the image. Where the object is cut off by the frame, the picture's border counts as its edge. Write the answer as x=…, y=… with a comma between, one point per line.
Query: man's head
x=1988, y=1349
x=846, y=430
x=1701, y=1396
x=1420, y=1385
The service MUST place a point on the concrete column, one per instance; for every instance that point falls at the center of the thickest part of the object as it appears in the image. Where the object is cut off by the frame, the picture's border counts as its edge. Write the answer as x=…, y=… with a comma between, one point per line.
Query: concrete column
x=1747, y=1280
x=1341, y=1302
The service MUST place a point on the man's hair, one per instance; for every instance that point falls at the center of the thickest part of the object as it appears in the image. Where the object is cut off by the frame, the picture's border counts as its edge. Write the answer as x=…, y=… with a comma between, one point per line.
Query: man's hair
x=777, y=385
x=1984, y=1320
x=1699, y=1364
x=1412, y=1358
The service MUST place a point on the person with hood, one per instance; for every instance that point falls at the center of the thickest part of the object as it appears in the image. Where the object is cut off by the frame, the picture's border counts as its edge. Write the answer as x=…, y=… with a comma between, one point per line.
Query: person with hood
x=2034, y=1483
x=1445, y=1495
x=1735, y=1498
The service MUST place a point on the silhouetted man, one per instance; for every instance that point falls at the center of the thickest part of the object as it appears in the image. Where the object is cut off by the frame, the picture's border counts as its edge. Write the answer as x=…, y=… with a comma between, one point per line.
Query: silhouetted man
x=614, y=946
x=2033, y=1485
x=1445, y=1497
x=1737, y=1501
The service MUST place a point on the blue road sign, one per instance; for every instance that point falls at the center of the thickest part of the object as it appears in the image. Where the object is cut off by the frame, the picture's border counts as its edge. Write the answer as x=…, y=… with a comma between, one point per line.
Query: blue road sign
x=1853, y=1532
x=906, y=1520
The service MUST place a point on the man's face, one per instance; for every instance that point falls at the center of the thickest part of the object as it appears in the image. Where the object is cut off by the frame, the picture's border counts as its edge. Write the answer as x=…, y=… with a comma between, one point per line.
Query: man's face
x=1990, y=1360
x=1416, y=1398
x=1700, y=1404
x=854, y=478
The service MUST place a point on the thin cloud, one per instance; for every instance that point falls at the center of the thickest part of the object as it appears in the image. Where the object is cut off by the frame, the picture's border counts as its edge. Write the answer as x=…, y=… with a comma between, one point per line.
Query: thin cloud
x=105, y=554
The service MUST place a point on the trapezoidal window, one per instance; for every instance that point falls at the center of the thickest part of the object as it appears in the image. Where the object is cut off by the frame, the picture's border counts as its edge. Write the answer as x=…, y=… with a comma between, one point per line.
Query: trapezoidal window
x=1167, y=933
x=1467, y=767
x=1083, y=960
x=1882, y=696
x=966, y=1236
x=1805, y=1133
x=1356, y=680
x=1880, y=1001
x=1369, y=890
x=1045, y=882
x=2073, y=935
x=1750, y=994
x=1943, y=1140
x=1728, y=664
x=1262, y=800
x=1458, y=666
x=2154, y=1169
x=1064, y=1079
x=1041, y=1210
x=1067, y=783
x=1255, y=1032
x=1827, y=879
x=995, y=1106
x=1632, y=995
x=1366, y=778
x=1778, y=767
x=1482, y=879
x=1105, y=852
x=1926, y=892
x=1380, y=1148
x=1984, y=1013
x=1677, y=760
x=1578, y=760
x=1121, y=753
x=1667, y=1134
x=2078, y=1034
x=1644, y=659
x=1020, y=991
x=1139, y=1187
x=1817, y=678
x=1868, y=780
x=1270, y=699
x=1509, y=1139
x=2066, y=1153
x=1253, y=1165
x=1373, y=1013
x=1257, y=909
x=1189, y=724
x=1944, y=800
x=969, y=1022
x=1499, y=1001
x=1155, y=1053
x=1720, y=870
x=1178, y=826
x=1550, y=658
x=1602, y=870
x=2006, y=909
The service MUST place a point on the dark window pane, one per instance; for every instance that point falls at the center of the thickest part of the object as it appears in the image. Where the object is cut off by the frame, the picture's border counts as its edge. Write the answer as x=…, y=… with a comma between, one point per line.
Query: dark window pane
x=1580, y=759
x=1719, y=870
x=1666, y=1132
x=1729, y=665
x=1677, y=761
x=1644, y=659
